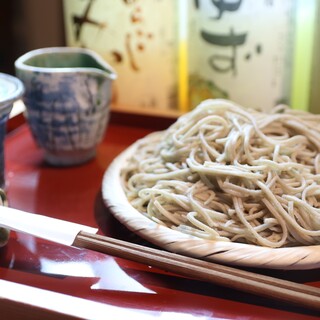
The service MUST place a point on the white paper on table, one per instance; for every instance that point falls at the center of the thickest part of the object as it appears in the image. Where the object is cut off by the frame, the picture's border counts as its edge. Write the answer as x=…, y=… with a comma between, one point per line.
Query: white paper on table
x=56, y=230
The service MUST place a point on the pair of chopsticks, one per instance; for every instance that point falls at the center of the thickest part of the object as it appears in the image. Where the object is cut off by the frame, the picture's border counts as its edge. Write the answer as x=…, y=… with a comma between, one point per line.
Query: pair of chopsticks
x=278, y=289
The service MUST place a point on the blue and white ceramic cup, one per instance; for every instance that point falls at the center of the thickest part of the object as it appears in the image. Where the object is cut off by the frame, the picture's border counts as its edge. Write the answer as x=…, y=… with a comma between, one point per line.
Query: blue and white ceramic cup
x=11, y=89
x=67, y=96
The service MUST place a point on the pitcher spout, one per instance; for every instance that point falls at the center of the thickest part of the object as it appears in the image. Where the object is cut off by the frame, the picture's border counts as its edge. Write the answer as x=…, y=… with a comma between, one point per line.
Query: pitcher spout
x=102, y=66
x=65, y=60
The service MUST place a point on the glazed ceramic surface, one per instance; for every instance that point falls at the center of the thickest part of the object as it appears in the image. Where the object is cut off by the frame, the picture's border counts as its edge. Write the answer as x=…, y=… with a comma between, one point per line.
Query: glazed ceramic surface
x=67, y=97
x=11, y=89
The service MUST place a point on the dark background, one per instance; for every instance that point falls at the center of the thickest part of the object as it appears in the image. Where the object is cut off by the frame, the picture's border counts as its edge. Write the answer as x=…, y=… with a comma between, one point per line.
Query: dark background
x=26, y=25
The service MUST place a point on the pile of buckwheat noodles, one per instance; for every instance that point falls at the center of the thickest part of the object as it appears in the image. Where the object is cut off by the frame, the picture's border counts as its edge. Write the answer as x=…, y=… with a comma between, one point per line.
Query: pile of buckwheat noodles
x=226, y=173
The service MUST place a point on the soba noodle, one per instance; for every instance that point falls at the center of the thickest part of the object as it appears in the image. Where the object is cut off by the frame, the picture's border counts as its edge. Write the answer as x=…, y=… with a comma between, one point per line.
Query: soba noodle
x=226, y=173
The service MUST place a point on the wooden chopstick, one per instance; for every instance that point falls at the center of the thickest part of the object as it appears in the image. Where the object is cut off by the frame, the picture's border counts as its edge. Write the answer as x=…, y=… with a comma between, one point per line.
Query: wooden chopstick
x=261, y=285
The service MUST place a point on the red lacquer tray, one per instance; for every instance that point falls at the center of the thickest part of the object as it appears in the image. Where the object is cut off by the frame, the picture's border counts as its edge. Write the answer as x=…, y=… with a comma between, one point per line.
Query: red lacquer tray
x=72, y=277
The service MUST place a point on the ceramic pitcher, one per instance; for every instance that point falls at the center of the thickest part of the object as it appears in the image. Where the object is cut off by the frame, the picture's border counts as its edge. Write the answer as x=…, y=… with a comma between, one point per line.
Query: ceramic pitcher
x=67, y=98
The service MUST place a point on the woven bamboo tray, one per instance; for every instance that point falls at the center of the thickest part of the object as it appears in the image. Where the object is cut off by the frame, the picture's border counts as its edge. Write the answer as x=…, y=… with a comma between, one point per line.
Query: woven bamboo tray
x=246, y=255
